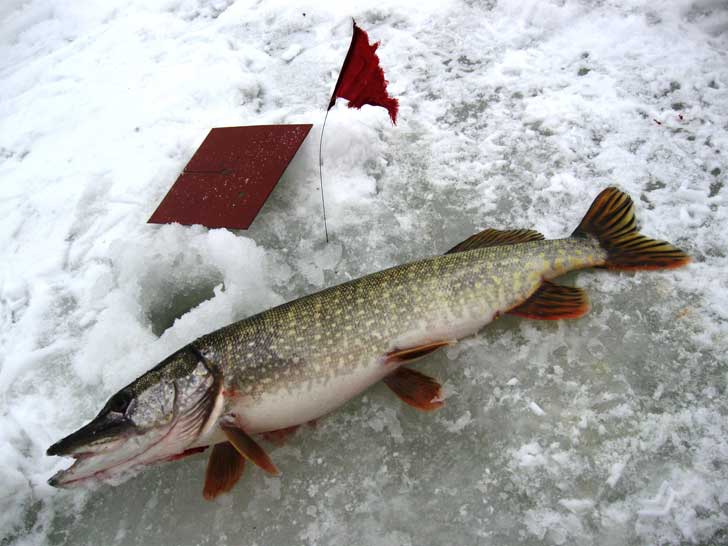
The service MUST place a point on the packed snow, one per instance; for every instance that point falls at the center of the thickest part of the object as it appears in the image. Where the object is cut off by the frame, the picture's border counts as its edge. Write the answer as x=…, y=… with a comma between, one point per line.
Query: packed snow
x=607, y=430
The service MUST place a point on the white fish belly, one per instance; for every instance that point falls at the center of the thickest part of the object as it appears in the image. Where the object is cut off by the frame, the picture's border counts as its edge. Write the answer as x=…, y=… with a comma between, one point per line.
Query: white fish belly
x=309, y=401
x=287, y=408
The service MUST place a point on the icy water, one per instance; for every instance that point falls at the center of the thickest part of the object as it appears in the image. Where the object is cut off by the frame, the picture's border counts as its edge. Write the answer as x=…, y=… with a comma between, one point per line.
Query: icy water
x=608, y=430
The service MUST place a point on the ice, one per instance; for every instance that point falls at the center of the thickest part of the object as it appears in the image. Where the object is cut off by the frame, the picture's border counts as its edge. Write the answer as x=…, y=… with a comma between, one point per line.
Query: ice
x=607, y=430
x=615, y=472
x=291, y=53
x=536, y=409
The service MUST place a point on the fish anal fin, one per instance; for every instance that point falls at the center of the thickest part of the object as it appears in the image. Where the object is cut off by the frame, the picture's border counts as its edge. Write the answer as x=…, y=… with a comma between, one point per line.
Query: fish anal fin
x=553, y=302
x=224, y=468
x=413, y=353
x=496, y=237
x=248, y=448
x=280, y=436
x=415, y=389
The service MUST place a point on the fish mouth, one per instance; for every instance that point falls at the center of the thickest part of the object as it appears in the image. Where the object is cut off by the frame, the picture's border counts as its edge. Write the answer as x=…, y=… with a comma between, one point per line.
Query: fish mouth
x=90, y=468
x=115, y=446
x=123, y=457
x=103, y=449
x=114, y=462
x=103, y=433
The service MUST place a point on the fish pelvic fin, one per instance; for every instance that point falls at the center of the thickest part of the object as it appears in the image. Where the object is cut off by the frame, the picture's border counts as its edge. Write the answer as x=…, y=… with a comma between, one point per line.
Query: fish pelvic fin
x=224, y=468
x=612, y=222
x=553, y=302
x=415, y=389
x=247, y=447
x=496, y=237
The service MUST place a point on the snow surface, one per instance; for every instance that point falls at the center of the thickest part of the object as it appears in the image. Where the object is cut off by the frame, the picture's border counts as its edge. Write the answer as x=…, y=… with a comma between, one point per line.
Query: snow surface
x=608, y=430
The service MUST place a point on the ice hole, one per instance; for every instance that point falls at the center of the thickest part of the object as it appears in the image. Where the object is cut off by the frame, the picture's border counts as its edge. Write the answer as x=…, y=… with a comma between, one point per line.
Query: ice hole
x=167, y=298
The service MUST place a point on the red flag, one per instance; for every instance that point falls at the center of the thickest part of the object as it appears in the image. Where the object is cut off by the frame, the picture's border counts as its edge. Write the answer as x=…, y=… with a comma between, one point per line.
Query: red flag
x=361, y=80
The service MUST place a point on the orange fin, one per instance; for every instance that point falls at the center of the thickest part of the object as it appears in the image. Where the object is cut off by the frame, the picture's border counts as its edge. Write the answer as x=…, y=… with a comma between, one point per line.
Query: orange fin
x=496, y=237
x=552, y=302
x=416, y=389
x=248, y=448
x=611, y=221
x=413, y=353
x=279, y=437
x=224, y=469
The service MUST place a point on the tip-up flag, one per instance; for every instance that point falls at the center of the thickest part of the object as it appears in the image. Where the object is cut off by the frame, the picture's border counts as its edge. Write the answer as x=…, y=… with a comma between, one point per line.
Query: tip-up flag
x=361, y=80
x=230, y=176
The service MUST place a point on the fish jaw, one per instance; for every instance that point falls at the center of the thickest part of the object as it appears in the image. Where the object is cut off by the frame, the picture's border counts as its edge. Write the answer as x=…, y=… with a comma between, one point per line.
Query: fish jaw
x=124, y=461
x=113, y=465
x=120, y=457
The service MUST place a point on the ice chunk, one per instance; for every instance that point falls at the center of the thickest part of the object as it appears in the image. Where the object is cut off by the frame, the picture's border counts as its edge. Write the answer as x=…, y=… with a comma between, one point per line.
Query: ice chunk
x=293, y=51
x=536, y=409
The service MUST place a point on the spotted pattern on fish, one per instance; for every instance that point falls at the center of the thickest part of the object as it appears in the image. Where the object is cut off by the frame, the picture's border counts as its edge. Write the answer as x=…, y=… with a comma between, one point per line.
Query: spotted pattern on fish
x=335, y=331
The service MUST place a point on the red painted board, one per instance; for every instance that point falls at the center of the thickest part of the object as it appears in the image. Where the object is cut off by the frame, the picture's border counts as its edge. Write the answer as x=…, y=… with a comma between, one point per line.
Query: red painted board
x=230, y=176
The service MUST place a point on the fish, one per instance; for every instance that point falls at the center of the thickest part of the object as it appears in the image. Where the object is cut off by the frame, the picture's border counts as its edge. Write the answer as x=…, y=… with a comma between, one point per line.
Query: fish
x=264, y=376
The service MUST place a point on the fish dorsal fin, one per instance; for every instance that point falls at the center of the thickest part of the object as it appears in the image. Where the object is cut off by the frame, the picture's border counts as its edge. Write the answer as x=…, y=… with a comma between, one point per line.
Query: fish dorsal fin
x=552, y=302
x=224, y=468
x=413, y=353
x=415, y=389
x=496, y=237
x=247, y=447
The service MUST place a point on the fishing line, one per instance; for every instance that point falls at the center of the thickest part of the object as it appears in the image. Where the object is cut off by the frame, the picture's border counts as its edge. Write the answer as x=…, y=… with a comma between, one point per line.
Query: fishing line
x=321, y=176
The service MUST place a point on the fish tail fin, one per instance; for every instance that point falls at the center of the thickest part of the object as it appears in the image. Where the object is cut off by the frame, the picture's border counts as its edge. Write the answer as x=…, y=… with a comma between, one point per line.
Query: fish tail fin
x=611, y=221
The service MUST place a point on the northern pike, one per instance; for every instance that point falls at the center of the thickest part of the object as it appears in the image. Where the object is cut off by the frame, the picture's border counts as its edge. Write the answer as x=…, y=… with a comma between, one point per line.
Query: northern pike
x=292, y=364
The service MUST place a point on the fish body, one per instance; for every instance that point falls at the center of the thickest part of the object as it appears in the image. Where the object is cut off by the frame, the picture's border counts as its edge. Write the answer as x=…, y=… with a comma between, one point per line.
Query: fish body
x=296, y=362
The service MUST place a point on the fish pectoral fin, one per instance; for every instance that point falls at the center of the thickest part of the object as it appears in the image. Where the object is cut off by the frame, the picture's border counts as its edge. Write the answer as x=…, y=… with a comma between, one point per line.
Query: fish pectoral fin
x=415, y=389
x=248, y=448
x=552, y=302
x=224, y=468
x=496, y=237
x=413, y=353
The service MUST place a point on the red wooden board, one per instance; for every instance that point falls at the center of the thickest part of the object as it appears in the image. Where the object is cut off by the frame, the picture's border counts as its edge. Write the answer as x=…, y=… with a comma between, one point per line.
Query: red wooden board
x=230, y=176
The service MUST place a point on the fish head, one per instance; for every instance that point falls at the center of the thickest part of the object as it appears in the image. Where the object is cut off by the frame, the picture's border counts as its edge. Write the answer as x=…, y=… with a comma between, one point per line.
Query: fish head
x=157, y=417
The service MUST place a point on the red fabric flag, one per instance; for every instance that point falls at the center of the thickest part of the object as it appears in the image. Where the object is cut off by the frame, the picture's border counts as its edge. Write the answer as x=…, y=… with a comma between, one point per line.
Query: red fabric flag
x=361, y=80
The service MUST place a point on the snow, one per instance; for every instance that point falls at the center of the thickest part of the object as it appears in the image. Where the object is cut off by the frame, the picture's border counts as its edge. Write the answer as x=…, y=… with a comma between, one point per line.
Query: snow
x=512, y=114
x=615, y=473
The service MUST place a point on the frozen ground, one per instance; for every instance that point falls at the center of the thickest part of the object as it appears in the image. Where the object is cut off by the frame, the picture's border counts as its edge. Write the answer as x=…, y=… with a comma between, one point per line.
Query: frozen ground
x=609, y=430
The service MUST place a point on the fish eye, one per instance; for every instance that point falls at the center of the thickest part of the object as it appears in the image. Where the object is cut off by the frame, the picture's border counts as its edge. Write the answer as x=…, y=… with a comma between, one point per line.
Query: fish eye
x=119, y=403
